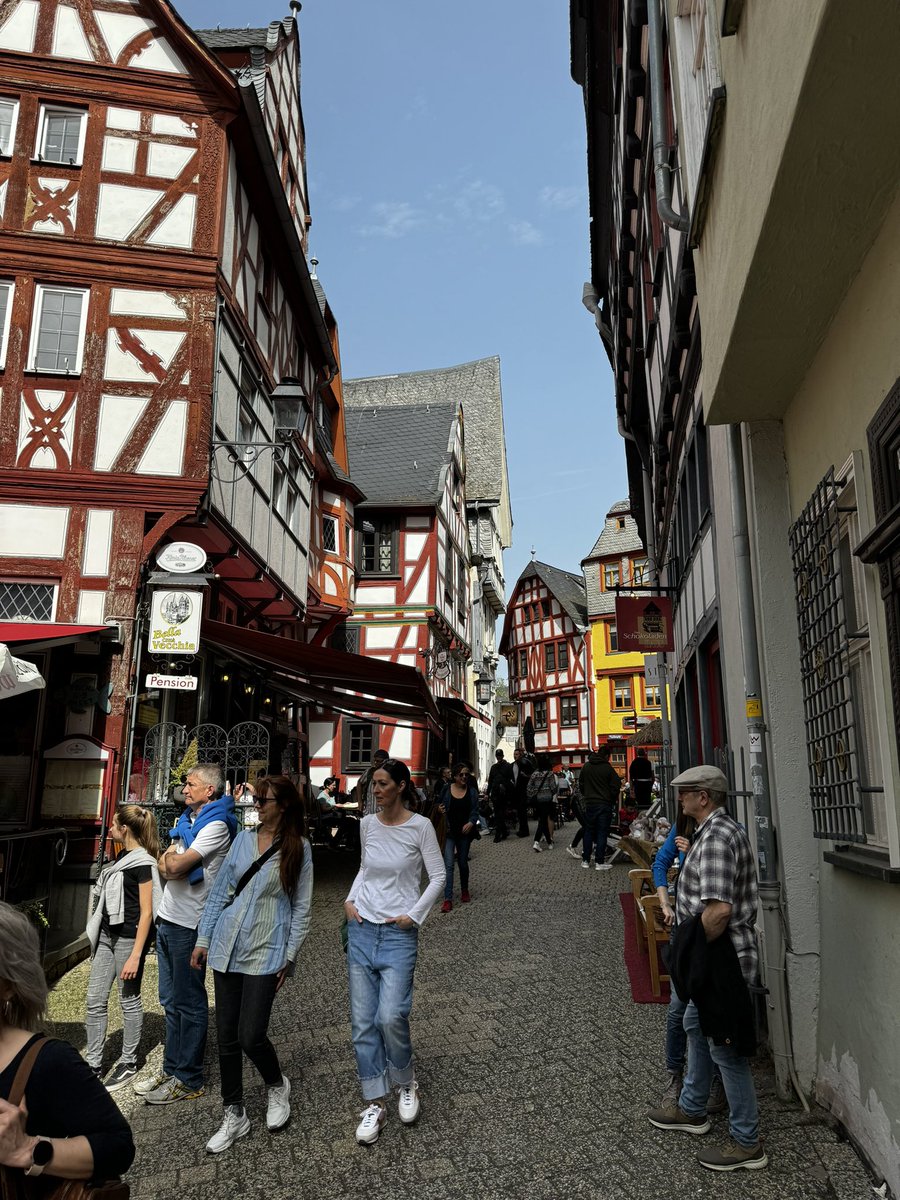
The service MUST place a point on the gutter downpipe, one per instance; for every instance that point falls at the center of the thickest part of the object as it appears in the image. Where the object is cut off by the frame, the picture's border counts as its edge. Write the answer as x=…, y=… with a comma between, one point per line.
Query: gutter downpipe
x=661, y=168
x=766, y=849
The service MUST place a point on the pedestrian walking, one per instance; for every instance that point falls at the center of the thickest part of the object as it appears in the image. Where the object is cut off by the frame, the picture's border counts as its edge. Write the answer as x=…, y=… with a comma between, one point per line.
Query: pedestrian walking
x=542, y=788
x=254, y=923
x=522, y=769
x=640, y=778
x=364, y=793
x=499, y=786
x=200, y=841
x=459, y=802
x=127, y=898
x=714, y=962
x=385, y=908
x=600, y=788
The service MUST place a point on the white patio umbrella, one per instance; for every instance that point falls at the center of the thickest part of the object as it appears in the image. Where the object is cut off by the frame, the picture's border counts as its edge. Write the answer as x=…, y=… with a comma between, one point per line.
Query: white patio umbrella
x=16, y=675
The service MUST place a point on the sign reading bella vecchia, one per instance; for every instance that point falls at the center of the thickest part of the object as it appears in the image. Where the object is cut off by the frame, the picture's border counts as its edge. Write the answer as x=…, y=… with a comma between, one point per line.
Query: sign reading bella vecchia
x=175, y=621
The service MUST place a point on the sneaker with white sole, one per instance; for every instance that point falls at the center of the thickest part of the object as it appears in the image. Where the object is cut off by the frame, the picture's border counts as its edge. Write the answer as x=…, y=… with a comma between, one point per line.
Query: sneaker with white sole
x=537, y=847
x=603, y=867
x=151, y=1084
x=368, y=1129
x=121, y=1074
x=278, y=1110
x=235, y=1124
x=585, y=865
x=733, y=1157
x=574, y=853
x=676, y=1118
x=408, y=1108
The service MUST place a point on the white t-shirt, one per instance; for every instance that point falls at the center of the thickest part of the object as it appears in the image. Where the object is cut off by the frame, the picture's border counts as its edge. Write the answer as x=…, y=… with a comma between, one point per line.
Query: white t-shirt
x=389, y=882
x=182, y=901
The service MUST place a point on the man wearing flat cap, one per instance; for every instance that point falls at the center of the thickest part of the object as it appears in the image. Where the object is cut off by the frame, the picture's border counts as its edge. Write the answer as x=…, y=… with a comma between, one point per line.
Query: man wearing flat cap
x=717, y=899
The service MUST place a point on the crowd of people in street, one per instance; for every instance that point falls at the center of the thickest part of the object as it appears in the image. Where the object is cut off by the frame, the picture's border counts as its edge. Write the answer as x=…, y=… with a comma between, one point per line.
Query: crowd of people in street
x=239, y=903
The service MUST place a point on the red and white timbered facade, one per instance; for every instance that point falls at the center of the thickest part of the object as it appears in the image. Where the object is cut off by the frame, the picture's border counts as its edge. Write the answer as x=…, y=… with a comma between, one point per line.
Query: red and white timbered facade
x=548, y=655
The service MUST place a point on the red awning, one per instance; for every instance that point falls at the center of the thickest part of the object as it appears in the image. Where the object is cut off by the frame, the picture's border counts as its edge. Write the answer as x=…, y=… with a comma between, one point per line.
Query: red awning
x=463, y=706
x=352, y=682
x=17, y=633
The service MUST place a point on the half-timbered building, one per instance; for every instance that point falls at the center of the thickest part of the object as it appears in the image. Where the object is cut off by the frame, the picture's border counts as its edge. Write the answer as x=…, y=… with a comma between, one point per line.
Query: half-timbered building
x=412, y=567
x=547, y=648
x=156, y=307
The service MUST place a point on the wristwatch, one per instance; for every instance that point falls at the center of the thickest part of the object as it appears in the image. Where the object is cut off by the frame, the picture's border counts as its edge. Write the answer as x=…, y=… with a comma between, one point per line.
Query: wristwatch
x=41, y=1157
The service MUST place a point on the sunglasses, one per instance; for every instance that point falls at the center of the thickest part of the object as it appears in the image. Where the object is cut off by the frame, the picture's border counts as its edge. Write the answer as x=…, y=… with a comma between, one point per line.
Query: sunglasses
x=261, y=801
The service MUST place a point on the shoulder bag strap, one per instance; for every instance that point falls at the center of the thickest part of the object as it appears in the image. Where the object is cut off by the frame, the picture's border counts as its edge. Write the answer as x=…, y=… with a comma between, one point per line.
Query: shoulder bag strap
x=255, y=866
x=17, y=1091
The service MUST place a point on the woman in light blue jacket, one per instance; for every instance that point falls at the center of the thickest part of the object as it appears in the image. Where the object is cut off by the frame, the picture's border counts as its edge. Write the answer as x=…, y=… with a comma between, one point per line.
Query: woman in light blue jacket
x=254, y=923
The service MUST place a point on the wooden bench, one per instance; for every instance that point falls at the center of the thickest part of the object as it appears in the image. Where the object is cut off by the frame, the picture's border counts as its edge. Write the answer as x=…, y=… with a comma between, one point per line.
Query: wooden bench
x=649, y=927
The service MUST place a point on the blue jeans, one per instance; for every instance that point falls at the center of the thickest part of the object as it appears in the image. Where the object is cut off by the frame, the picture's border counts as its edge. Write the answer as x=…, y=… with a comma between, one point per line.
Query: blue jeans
x=381, y=960
x=182, y=994
x=456, y=848
x=737, y=1079
x=596, y=830
x=676, y=1038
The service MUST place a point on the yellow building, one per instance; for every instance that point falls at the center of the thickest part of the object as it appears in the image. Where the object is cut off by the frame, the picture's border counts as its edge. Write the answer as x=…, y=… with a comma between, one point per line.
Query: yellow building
x=621, y=701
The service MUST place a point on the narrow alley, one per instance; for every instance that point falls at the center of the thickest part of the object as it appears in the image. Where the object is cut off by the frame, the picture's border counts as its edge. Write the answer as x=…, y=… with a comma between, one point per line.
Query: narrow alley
x=536, y=1067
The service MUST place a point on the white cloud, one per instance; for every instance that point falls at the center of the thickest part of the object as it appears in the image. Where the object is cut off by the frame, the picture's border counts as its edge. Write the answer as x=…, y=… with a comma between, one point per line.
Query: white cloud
x=393, y=219
x=523, y=233
x=560, y=197
x=479, y=201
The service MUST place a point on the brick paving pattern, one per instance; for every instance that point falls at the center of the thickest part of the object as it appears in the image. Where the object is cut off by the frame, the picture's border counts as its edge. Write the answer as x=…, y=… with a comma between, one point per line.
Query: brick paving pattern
x=535, y=1067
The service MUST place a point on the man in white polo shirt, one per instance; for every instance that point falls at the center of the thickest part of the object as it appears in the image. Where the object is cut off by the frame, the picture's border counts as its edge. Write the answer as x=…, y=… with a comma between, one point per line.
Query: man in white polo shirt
x=200, y=841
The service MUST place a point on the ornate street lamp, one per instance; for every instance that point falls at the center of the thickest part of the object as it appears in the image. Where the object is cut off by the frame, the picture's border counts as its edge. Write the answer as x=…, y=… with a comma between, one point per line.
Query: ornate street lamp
x=292, y=414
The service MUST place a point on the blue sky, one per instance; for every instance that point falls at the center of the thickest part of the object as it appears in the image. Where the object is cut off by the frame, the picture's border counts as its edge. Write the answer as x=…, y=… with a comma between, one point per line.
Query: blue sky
x=447, y=174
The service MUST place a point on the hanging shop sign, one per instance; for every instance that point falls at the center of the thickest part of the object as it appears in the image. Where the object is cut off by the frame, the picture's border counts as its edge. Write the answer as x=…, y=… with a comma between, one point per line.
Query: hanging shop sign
x=509, y=715
x=644, y=623
x=175, y=621
x=181, y=557
x=171, y=683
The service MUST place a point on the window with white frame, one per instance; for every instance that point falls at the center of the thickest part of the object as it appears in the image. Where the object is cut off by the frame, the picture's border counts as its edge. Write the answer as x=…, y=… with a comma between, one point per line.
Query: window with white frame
x=23, y=600
x=540, y=714
x=568, y=710
x=329, y=534
x=695, y=39
x=7, y=291
x=60, y=134
x=9, y=115
x=610, y=576
x=57, y=330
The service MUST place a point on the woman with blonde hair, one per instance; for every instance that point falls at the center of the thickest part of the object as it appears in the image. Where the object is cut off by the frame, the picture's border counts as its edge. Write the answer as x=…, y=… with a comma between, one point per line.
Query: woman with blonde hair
x=254, y=923
x=56, y=1119
x=128, y=894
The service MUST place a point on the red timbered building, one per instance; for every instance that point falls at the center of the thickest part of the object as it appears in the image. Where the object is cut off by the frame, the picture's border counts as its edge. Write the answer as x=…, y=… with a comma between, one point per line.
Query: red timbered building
x=547, y=648
x=412, y=570
x=155, y=301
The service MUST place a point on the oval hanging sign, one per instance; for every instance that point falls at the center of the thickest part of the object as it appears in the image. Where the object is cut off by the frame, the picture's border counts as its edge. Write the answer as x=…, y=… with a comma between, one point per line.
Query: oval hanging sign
x=181, y=557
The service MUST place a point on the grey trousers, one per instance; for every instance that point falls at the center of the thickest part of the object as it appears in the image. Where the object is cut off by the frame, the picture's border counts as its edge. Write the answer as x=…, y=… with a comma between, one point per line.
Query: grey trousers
x=106, y=968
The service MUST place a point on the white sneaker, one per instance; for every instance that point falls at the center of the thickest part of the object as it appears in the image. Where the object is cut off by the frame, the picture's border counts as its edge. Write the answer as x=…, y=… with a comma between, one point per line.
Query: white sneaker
x=537, y=846
x=585, y=865
x=145, y=1086
x=603, y=867
x=368, y=1129
x=549, y=845
x=236, y=1124
x=574, y=853
x=278, y=1111
x=408, y=1109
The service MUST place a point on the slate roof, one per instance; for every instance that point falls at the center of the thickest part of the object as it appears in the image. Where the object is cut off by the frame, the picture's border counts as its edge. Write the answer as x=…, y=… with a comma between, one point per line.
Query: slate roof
x=611, y=544
x=566, y=587
x=400, y=455
x=475, y=385
x=233, y=39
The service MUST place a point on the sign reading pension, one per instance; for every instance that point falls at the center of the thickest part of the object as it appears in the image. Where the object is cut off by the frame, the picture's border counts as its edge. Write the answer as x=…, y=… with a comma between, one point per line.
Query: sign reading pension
x=174, y=683
x=175, y=621
x=644, y=623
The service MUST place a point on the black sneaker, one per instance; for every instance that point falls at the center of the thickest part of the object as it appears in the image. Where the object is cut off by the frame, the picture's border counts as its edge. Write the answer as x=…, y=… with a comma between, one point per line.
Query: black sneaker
x=121, y=1074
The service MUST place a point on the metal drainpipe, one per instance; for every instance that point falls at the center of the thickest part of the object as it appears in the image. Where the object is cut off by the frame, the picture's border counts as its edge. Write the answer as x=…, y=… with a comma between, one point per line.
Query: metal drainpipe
x=767, y=855
x=661, y=168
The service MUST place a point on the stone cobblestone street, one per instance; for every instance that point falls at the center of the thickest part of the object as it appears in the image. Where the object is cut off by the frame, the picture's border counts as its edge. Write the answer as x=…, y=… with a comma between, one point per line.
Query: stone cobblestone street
x=535, y=1067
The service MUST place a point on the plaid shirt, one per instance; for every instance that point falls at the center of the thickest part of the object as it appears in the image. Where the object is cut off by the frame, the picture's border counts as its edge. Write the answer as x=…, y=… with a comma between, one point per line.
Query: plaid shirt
x=720, y=866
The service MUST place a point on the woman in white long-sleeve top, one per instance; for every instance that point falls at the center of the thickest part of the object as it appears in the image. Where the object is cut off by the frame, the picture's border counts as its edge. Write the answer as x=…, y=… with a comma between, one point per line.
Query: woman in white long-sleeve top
x=255, y=921
x=385, y=908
